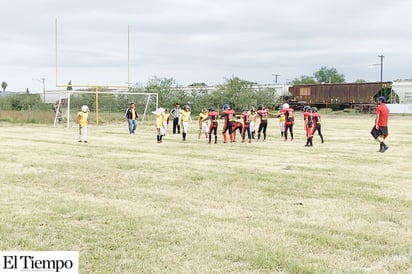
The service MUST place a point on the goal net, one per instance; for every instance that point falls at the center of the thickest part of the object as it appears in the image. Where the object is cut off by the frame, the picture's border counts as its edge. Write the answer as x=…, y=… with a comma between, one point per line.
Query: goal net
x=108, y=106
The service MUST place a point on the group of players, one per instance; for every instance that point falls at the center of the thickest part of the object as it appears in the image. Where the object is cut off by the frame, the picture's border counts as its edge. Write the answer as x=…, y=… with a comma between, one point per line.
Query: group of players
x=208, y=123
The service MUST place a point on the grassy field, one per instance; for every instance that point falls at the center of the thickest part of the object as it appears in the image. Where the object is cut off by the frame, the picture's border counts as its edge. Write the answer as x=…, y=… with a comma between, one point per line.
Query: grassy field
x=130, y=205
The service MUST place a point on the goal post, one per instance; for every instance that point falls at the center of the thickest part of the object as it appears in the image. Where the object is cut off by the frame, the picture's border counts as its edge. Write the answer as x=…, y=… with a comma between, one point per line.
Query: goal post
x=109, y=106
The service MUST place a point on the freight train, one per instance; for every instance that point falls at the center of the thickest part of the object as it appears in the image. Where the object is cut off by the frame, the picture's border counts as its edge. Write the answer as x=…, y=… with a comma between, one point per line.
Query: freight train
x=338, y=96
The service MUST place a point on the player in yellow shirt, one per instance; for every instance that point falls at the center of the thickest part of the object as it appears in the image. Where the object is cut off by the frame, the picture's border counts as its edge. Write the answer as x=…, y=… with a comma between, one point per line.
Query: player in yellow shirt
x=203, y=123
x=83, y=121
x=162, y=117
x=185, y=119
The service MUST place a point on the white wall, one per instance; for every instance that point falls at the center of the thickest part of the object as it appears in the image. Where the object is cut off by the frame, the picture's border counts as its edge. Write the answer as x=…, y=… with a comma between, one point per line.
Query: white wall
x=400, y=108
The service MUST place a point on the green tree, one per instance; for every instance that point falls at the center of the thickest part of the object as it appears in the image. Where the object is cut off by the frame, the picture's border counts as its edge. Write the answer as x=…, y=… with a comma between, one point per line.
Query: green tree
x=304, y=80
x=237, y=93
x=329, y=75
x=240, y=94
x=4, y=86
x=168, y=90
x=323, y=75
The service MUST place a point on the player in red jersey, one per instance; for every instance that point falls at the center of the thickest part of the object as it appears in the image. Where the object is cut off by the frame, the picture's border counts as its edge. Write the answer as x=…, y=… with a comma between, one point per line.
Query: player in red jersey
x=236, y=125
x=246, y=125
x=289, y=120
x=380, y=130
x=212, y=116
x=316, y=120
x=228, y=114
x=263, y=114
x=309, y=125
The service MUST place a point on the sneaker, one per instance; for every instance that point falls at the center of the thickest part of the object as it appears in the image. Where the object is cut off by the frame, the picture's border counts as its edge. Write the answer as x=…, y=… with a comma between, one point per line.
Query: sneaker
x=85, y=141
x=385, y=148
x=80, y=141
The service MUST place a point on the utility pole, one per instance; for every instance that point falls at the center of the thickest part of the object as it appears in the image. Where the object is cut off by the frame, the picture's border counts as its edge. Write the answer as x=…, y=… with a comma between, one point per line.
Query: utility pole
x=276, y=77
x=381, y=64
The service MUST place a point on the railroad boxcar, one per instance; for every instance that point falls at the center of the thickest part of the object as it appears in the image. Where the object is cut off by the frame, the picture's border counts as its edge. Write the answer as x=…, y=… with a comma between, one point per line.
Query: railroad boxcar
x=339, y=96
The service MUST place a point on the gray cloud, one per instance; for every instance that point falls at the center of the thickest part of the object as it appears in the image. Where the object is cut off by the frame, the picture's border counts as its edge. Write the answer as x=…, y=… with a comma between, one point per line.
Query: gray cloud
x=204, y=41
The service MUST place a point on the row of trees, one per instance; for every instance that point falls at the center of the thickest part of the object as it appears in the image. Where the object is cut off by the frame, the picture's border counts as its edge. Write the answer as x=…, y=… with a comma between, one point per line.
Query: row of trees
x=234, y=91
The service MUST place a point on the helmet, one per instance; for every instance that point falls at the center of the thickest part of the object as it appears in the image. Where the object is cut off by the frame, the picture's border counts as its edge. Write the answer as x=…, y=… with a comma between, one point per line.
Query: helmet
x=160, y=110
x=382, y=99
x=226, y=106
x=306, y=108
x=186, y=107
x=85, y=108
x=211, y=109
x=204, y=110
x=285, y=105
x=314, y=109
x=260, y=106
x=244, y=109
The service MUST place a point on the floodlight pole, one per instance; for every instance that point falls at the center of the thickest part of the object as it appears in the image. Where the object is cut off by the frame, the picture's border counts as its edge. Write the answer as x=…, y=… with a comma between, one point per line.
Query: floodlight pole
x=128, y=56
x=381, y=64
x=97, y=105
x=42, y=80
x=55, y=35
x=44, y=89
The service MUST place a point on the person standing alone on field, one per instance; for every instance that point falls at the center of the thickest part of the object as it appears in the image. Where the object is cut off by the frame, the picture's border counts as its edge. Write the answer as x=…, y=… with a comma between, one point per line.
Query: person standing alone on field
x=83, y=121
x=132, y=116
x=380, y=130
x=175, y=112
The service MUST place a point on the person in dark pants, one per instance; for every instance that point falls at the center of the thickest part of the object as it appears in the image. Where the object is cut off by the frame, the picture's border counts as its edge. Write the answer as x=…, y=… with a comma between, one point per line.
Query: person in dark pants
x=131, y=115
x=175, y=112
x=289, y=120
x=316, y=119
x=380, y=130
x=213, y=116
x=263, y=114
x=228, y=114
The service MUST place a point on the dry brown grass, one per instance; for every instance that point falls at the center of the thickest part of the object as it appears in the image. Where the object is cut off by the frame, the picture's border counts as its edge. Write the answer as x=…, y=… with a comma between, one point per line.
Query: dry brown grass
x=130, y=205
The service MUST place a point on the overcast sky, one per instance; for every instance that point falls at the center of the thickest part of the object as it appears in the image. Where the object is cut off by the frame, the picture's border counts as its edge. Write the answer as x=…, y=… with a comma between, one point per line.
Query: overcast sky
x=201, y=41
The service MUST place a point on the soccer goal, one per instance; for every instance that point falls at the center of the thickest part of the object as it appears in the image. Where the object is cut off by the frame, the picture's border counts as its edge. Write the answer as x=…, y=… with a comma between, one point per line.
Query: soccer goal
x=108, y=106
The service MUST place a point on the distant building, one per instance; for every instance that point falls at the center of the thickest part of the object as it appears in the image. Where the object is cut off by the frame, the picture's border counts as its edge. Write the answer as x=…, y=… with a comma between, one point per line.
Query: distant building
x=403, y=88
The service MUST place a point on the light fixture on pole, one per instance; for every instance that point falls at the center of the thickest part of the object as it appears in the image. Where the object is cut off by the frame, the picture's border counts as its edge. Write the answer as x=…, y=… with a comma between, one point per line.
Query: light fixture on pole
x=381, y=65
x=43, y=80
